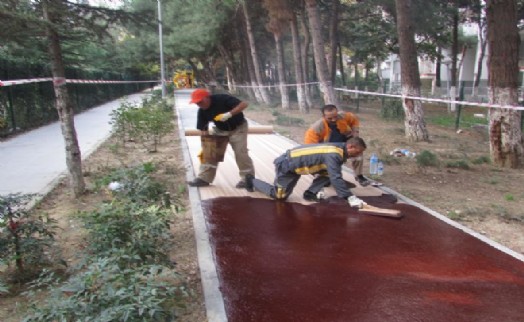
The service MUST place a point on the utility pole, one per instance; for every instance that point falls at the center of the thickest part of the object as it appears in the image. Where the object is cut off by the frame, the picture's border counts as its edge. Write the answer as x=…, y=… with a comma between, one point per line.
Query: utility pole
x=162, y=75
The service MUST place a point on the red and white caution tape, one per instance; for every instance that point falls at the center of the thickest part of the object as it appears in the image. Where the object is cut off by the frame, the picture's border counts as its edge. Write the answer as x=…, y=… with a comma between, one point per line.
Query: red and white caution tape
x=59, y=81
x=277, y=85
x=436, y=100
x=24, y=81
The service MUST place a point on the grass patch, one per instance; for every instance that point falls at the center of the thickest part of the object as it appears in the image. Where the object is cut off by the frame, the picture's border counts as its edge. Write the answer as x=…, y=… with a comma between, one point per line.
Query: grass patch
x=427, y=159
x=460, y=164
x=481, y=160
x=285, y=120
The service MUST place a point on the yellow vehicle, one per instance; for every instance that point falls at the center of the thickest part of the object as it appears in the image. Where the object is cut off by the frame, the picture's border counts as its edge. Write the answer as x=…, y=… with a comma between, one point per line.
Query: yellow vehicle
x=184, y=79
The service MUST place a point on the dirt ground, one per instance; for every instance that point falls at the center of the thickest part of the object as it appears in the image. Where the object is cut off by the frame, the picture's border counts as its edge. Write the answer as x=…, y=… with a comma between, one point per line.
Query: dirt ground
x=484, y=198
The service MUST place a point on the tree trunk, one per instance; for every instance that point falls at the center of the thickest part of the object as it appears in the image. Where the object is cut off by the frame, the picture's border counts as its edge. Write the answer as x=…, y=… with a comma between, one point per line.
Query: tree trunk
x=480, y=59
x=326, y=87
x=284, y=92
x=505, y=131
x=254, y=56
x=63, y=105
x=297, y=60
x=305, y=59
x=454, y=54
x=414, y=123
x=333, y=40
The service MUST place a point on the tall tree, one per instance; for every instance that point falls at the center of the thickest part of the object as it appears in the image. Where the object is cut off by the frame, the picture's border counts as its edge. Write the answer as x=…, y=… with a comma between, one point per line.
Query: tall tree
x=505, y=127
x=279, y=15
x=315, y=27
x=415, y=126
x=254, y=55
x=63, y=102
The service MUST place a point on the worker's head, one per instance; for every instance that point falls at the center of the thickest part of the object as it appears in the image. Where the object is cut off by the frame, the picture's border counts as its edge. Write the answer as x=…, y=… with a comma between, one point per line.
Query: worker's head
x=201, y=98
x=330, y=113
x=355, y=146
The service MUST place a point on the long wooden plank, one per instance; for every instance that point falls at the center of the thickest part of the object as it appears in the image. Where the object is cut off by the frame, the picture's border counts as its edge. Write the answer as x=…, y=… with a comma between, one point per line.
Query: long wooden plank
x=253, y=129
x=381, y=211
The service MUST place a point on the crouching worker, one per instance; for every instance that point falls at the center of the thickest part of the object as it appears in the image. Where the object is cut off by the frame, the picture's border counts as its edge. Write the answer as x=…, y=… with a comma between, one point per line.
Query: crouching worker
x=324, y=159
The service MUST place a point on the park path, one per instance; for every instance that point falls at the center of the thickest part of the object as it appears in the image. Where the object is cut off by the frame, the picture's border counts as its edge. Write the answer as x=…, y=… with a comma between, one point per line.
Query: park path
x=262, y=260
x=33, y=162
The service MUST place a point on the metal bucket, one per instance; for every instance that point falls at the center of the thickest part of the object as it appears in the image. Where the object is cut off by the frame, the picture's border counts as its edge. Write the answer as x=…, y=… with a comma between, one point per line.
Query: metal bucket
x=214, y=148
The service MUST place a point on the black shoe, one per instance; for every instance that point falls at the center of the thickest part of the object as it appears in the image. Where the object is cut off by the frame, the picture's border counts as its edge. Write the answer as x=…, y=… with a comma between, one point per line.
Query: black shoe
x=310, y=196
x=362, y=180
x=198, y=183
x=249, y=182
x=241, y=184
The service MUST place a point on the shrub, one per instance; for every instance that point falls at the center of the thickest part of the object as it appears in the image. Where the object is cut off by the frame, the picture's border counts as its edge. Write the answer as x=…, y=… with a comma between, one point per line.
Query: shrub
x=146, y=124
x=135, y=184
x=26, y=238
x=460, y=164
x=481, y=160
x=426, y=159
x=137, y=235
x=106, y=292
x=392, y=110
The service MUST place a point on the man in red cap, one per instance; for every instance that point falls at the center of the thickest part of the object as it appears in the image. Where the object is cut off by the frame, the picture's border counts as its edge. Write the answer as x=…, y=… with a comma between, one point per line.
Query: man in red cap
x=225, y=111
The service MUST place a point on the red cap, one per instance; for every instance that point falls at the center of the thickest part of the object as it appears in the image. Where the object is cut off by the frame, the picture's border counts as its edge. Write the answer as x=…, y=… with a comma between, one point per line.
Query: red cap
x=198, y=95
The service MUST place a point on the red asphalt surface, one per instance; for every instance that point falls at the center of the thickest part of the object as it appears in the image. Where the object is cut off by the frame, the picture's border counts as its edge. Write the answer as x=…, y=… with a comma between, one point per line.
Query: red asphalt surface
x=283, y=261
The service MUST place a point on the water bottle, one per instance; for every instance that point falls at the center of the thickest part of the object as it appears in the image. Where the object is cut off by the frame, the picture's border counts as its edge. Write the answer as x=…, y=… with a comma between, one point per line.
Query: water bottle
x=380, y=168
x=373, y=163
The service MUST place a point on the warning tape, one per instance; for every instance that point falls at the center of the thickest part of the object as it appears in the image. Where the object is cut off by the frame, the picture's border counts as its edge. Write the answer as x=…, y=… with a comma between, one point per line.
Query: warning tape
x=437, y=100
x=60, y=81
x=278, y=85
x=24, y=81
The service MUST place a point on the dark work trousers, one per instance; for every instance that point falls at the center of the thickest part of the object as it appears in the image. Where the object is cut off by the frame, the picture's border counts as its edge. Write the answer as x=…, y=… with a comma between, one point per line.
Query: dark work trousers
x=286, y=179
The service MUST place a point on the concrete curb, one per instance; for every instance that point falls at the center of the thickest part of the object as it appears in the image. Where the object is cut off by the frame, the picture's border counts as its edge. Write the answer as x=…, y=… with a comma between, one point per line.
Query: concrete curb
x=214, y=301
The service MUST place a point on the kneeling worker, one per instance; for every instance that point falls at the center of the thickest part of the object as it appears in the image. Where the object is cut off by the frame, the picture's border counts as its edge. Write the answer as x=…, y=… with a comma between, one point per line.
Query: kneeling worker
x=324, y=159
x=335, y=126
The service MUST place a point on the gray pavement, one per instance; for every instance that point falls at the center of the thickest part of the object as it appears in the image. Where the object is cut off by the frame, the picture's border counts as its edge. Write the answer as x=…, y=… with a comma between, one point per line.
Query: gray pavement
x=33, y=162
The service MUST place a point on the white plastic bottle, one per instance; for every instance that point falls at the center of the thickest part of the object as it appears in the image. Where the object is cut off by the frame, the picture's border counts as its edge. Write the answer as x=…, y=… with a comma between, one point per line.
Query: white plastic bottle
x=373, y=164
x=380, y=168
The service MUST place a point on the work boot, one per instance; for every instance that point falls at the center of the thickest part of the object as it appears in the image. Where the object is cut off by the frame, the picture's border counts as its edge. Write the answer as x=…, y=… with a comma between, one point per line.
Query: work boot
x=363, y=181
x=249, y=182
x=197, y=182
x=241, y=184
x=310, y=196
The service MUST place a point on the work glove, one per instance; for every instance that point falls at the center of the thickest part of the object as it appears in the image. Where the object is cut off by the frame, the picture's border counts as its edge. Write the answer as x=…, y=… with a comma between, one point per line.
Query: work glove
x=200, y=156
x=355, y=201
x=321, y=195
x=223, y=117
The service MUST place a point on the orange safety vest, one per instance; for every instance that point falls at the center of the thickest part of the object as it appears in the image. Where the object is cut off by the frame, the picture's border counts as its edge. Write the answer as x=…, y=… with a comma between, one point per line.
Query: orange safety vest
x=320, y=132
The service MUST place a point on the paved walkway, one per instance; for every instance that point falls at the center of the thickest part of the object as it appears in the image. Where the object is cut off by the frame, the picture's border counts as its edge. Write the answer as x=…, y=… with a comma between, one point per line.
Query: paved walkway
x=263, y=260
x=33, y=162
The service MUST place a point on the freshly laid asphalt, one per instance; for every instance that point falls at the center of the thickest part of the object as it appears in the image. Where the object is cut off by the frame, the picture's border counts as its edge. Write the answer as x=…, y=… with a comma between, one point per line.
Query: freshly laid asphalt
x=34, y=161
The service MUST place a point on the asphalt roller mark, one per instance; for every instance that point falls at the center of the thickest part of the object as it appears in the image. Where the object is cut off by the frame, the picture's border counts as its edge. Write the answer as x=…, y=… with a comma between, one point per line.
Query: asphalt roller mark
x=280, y=261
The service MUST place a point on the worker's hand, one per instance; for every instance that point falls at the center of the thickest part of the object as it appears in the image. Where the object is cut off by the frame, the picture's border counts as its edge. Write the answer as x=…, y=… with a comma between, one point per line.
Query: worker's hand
x=223, y=117
x=200, y=156
x=355, y=201
x=321, y=195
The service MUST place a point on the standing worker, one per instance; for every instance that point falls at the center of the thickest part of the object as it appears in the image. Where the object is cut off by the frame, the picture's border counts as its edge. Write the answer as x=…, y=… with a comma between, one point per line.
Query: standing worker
x=337, y=127
x=324, y=160
x=226, y=113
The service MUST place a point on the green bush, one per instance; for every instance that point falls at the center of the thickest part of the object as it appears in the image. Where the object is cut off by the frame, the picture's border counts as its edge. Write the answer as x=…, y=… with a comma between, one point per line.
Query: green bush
x=426, y=159
x=460, y=164
x=26, y=238
x=135, y=184
x=481, y=160
x=146, y=124
x=106, y=292
x=392, y=110
x=137, y=235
